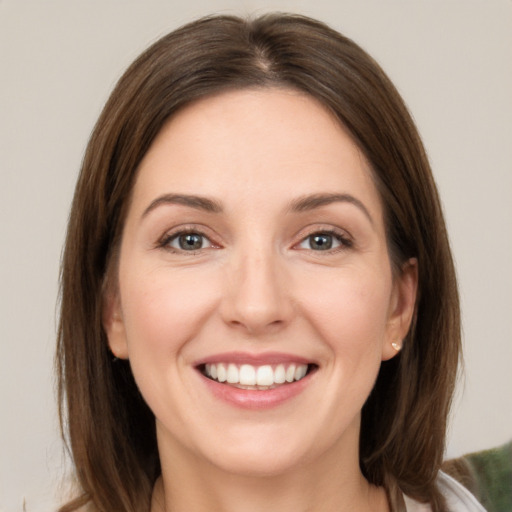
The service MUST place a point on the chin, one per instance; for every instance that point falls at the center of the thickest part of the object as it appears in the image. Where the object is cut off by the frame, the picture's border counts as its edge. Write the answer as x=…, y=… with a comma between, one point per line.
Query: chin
x=262, y=453
x=260, y=464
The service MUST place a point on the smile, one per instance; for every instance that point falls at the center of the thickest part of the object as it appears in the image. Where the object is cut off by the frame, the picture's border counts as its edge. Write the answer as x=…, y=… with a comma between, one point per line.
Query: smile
x=256, y=381
x=254, y=377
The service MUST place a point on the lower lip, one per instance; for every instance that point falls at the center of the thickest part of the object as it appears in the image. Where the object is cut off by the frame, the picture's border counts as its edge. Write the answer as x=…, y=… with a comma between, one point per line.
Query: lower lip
x=254, y=399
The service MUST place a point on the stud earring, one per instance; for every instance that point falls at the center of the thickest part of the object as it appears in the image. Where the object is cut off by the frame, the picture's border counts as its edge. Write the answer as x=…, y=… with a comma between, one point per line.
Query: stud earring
x=396, y=345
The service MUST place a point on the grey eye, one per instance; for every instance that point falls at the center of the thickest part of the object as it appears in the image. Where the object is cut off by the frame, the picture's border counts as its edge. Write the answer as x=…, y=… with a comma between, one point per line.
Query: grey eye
x=189, y=242
x=320, y=242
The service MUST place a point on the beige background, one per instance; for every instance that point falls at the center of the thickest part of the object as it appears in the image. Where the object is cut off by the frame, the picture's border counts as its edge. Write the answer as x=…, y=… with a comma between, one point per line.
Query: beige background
x=452, y=61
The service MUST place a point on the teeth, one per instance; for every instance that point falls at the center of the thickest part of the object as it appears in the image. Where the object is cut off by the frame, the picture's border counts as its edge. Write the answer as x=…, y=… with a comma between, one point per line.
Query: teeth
x=261, y=376
x=300, y=372
x=290, y=373
x=233, y=375
x=265, y=376
x=247, y=375
x=221, y=372
x=280, y=374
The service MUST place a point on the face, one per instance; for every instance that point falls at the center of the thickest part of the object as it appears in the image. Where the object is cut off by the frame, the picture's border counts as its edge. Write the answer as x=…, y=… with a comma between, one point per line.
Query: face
x=255, y=297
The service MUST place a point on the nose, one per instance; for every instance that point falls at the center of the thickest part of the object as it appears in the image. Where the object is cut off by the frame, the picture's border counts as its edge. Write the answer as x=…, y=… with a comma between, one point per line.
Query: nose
x=257, y=298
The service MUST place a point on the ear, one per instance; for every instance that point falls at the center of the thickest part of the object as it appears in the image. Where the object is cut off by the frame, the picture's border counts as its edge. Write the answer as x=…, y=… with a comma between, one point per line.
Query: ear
x=402, y=308
x=113, y=324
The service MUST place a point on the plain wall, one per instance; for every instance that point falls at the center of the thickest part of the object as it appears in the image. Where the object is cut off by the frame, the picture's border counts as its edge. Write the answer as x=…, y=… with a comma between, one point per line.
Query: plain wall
x=451, y=60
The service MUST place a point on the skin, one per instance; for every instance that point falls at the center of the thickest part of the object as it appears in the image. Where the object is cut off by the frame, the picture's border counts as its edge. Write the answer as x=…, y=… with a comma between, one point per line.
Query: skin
x=258, y=284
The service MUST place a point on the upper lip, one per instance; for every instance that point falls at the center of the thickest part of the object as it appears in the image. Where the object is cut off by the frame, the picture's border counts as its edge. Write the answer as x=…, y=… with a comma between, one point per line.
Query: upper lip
x=253, y=359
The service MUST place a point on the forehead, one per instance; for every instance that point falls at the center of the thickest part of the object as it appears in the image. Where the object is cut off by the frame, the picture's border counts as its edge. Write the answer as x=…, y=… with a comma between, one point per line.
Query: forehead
x=272, y=143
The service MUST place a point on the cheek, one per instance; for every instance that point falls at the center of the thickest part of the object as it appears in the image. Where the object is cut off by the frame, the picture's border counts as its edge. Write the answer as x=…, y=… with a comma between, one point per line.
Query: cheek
x=348, y=314
x=162, y=309
x=351, y=311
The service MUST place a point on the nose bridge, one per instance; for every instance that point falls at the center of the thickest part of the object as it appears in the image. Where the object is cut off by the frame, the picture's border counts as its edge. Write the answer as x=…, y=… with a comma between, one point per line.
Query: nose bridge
x=257, y=299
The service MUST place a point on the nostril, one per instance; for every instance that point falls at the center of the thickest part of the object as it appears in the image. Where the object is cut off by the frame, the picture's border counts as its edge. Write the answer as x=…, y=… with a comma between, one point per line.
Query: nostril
x=256, y=326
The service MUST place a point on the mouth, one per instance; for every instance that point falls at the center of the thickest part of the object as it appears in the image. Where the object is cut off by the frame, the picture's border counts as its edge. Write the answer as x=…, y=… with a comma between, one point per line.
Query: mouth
x=256, y=377
x=256, y=381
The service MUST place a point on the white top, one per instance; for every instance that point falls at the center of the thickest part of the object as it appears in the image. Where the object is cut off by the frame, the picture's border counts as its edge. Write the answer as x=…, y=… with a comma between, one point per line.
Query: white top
x=458, y=498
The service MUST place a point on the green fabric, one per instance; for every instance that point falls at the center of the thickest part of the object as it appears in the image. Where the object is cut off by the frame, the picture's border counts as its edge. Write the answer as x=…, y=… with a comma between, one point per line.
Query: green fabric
x=492, y=471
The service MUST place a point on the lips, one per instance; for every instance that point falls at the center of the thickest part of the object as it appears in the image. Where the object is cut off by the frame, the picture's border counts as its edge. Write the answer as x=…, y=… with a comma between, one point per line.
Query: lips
x=256, y=381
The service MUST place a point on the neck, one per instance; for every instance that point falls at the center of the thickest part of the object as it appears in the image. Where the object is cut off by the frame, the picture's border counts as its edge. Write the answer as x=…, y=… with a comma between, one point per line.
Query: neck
x=269, y=495
x=331, y=483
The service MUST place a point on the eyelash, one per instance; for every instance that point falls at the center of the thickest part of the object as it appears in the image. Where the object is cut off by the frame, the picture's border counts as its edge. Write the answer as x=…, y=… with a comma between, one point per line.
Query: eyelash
x=164, y=243
x=343, y=241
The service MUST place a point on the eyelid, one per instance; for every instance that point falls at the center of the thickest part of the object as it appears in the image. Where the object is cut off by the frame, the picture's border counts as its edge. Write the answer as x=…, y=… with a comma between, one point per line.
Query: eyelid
x=173, y=233
x=344, y=238
x=205, y=242
x=341, y=235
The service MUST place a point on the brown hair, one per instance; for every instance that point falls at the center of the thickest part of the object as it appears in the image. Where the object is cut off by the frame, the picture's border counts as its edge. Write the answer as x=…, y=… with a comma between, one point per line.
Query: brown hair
x=111, y=429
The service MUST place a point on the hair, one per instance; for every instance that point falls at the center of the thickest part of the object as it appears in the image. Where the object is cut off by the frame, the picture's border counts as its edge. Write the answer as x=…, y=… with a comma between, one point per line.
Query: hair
x=110, y=429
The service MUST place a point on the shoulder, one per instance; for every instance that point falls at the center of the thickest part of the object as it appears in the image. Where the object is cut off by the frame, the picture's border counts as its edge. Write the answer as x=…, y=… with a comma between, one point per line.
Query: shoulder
x=458, y=498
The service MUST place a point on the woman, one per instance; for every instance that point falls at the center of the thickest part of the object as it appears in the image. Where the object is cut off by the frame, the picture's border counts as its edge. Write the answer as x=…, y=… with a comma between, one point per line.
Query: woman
x=259, y=306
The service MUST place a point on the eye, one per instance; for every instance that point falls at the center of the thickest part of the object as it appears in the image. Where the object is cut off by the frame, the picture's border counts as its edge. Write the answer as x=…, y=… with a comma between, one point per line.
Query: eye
x=324, y=241
x=189, y=241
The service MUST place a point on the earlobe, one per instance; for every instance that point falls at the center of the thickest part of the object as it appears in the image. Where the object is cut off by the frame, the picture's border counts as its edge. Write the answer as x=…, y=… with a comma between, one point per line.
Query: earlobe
x=397, y=346
x=402, y=310
x=391, y=349
x=113, y=324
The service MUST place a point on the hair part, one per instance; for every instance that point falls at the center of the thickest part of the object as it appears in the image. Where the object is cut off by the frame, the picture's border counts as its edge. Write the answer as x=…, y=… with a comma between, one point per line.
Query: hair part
x=111, y=430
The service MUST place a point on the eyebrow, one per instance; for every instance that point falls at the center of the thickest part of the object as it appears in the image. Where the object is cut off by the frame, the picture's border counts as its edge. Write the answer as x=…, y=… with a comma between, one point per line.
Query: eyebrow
x=302, y=204
x=197, y=202
x=311, y=202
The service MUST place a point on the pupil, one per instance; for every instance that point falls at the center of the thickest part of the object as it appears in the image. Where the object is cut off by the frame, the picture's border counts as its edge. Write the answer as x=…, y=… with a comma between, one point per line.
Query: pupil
x=190, y=241
x=321, y=242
